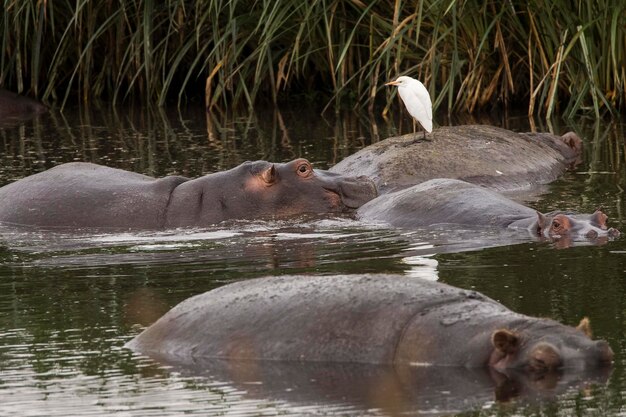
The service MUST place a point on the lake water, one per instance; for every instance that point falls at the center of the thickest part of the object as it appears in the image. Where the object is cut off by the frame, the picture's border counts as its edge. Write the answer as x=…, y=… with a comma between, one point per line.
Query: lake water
x=69, y=301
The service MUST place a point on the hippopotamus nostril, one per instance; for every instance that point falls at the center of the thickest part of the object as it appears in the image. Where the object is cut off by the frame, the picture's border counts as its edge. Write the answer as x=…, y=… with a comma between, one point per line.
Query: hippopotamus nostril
x=613, y=232
x=592, y=234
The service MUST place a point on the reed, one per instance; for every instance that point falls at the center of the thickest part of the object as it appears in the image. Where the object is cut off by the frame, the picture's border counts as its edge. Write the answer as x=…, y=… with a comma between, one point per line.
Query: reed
x=551, y=56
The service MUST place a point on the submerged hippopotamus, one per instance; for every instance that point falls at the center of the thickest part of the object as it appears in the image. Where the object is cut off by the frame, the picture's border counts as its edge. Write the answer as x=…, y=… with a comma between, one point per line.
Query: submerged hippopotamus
x=15, y=106
x=384, y=319
x=486, y=155
x=450, y=201
x=87, y=195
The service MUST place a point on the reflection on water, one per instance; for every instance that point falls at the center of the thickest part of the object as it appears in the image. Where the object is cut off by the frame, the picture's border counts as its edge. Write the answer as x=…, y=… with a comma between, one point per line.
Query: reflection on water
x=420, y=390
x=424, y=267
x=189, y=143
x=61, y=377
x=70, y=300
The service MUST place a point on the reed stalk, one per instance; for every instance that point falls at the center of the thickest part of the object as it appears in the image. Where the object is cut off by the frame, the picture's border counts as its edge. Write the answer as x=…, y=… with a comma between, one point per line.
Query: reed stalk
x=550, y=56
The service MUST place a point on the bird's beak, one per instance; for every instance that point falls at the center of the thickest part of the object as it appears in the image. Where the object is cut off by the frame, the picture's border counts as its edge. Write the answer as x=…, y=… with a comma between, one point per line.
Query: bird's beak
x=392, y=83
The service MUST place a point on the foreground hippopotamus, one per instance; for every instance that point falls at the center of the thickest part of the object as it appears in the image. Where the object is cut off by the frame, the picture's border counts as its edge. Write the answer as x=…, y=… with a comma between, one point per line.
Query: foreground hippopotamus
x=15, y=106
x=384, y=319
x=452, y=201
x=480, y=154
x=88, y=195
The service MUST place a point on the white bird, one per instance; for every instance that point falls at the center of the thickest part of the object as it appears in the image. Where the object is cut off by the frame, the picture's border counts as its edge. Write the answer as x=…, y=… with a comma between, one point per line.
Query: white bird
x=417, y=101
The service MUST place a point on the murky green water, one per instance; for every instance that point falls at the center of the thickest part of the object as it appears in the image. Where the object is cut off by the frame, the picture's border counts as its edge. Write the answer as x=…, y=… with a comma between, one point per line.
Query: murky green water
x=68, y=302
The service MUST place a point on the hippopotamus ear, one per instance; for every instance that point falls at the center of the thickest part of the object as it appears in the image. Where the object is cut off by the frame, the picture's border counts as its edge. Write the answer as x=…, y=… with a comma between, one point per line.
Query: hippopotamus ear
x=585, y=327
x=269, y=175
x=505, y=341
x=572, y=140
x=599, y=219
x=542, y=223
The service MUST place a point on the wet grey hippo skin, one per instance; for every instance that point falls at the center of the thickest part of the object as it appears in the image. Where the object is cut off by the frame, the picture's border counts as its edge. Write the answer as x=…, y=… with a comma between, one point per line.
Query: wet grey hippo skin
x=88, y=195
x=485, y=155
x=452, y=201
x=15, y=106
x=365, y=318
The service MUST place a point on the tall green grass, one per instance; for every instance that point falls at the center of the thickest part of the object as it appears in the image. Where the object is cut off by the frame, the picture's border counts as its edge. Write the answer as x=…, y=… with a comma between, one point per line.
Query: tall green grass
x=553, y=56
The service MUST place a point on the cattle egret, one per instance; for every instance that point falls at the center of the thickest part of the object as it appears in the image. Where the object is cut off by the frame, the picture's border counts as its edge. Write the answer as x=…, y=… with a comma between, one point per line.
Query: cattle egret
x=417, y=101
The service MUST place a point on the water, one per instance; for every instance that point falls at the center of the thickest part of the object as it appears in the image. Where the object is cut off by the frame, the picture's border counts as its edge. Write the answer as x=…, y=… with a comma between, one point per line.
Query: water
x=69, y=301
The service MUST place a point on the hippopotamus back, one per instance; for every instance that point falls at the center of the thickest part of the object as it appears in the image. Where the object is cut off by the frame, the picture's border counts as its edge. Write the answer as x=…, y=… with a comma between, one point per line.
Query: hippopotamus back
x=348, y=319
x=486, y=155
x=444, y=200
x=83, y=194
x=362, y=318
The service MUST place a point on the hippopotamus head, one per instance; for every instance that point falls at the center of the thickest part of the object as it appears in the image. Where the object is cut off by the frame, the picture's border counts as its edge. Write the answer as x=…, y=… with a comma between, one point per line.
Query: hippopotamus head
x=557, y=225
x=547, y=346
x=283, y=189
x=15, y=106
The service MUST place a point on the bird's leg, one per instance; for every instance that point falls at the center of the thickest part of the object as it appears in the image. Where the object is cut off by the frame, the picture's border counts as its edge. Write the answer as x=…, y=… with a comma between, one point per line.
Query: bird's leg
x=417, y=139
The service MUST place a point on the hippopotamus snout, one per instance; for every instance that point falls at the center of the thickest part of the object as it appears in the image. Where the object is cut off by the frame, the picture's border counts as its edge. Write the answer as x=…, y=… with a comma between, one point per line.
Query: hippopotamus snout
x=595, y=233
x=605, y=353
x=358, y=191
x=599, y=354
x=546, y=357
x=354, y=191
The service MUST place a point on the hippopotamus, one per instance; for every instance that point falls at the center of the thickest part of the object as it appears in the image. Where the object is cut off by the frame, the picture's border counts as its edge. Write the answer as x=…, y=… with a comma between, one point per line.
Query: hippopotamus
x=377, y=318
x=16, y=106
x=451, y=201
x=86, y=195
x=485, y=155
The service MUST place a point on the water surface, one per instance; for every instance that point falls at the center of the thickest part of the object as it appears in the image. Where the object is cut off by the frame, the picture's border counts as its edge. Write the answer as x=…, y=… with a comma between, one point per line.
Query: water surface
x=70, y=300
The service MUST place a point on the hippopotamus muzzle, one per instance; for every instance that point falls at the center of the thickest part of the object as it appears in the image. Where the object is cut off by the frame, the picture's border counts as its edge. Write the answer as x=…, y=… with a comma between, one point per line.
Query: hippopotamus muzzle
x=612, y=232
x=546, y=357
x=354, y=191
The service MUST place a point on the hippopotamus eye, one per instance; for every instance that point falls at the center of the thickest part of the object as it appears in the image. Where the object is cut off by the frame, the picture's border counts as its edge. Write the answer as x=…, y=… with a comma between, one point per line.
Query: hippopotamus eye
x=304, y=169
x=556, y=224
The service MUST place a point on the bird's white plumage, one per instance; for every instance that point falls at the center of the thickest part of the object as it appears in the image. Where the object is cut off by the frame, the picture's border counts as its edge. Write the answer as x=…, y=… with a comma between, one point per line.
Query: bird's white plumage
x=416, y=99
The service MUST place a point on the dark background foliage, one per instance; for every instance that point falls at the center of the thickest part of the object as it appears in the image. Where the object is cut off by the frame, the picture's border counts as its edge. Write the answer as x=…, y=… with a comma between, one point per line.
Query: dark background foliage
x=549, y=56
